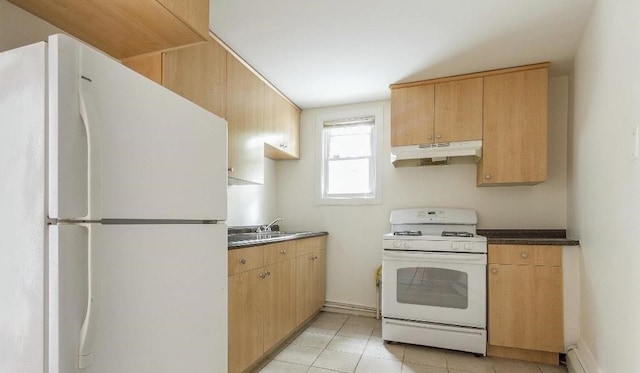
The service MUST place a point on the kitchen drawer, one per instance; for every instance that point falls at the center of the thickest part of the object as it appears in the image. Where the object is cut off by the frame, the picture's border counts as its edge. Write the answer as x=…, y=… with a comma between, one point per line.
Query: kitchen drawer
x=307, y=245
x=525, y=255
x=279, y=252
x=241, y=260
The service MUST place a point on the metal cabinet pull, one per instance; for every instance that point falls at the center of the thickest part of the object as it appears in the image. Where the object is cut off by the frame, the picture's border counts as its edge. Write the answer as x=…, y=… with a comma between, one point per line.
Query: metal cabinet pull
x=524, y=255
x=263, y=275
x=283, y=251
x=487, y=176
x=494, y=270
x=243, y=261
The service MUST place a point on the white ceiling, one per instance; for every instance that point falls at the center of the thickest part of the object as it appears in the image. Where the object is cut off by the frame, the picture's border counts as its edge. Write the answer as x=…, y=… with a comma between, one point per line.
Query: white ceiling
x=331, y=52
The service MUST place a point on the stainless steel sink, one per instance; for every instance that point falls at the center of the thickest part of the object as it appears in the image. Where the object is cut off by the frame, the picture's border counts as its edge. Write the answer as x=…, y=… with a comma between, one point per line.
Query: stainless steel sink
x=262, y=236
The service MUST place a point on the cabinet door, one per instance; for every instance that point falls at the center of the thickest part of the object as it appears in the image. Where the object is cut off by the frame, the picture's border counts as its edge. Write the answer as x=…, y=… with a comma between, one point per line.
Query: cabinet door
x=149, y=66
x=245, y=115
x=278, y=302
x=458, y=110
x=515, y=129
x=304, y=287
x=199, y=74
x=319, y=278
x=245, y=319
x=412, y=115
x=282, y=122
x=525, y=307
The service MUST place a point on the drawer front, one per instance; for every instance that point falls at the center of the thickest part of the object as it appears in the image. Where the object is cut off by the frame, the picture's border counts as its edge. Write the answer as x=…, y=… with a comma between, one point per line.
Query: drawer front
x=278, y=252
x=241, y=260
x=307, y=245
x=545, y=255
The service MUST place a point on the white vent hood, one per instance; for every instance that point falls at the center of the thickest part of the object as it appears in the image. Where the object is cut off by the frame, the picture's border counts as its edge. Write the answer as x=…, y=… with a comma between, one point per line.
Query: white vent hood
x=437, y=153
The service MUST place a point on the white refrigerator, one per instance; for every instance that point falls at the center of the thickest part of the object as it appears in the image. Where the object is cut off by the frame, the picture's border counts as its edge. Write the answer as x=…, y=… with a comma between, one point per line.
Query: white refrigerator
x=113, y=243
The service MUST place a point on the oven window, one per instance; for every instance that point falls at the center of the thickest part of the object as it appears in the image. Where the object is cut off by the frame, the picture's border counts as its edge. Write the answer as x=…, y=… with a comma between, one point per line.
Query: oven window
x=433, y=287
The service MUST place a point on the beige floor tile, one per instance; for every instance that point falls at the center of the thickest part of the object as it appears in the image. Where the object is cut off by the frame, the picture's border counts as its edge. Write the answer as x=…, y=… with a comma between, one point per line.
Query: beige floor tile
x=467, y=362
x=370, y=364
x=311, y=339
x=417, y=368
x=377, y=334
x=355, y=331
x=552, y=368
x=337, y=360
x=425, y=356
x=347, y=344
x=332, y=317
x=513, y=366
x=324, y=326
x=363, y=321
x=298, y=354
x=389, y=351
x=320, y=370
x=282, y=367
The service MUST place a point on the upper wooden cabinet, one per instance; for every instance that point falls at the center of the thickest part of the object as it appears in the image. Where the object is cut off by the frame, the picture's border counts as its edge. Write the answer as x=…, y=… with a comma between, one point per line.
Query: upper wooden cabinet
x=245, y=117
x=412, y=115
x=514, y=139
x=199, y=74
x=428, y=113
x=281, y=127
x=125, y=28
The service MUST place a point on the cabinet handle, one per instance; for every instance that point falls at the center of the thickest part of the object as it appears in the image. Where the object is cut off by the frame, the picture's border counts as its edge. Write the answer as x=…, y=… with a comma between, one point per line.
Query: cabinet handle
x=438, y=136
x=263, y=275
x=524, y=255
x=283, y=251
x=430, y=137
x=494, y=270
x=230, y=169
x=242, y=261
x=268, y=273
x=312, y=257
x=487, y=176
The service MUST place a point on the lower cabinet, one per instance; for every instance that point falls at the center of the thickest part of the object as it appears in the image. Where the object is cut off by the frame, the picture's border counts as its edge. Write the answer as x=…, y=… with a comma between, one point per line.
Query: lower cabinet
x=265, y=296
x=525, y=318
x=310, y=277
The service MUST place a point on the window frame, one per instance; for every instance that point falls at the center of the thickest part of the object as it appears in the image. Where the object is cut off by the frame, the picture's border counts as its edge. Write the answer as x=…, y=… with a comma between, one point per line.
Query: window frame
x=322, y=160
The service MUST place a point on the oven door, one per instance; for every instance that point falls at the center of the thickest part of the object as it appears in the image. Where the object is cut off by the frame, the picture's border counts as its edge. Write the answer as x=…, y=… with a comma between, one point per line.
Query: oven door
x=446, y=288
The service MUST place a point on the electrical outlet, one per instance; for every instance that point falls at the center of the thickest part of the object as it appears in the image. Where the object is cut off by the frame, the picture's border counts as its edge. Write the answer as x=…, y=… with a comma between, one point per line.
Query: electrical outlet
x=635, y=143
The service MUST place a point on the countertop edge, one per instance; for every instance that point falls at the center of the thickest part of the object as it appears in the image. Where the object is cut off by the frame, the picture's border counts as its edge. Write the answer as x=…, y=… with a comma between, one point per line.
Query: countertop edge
x=556, y=237
x=245, y=244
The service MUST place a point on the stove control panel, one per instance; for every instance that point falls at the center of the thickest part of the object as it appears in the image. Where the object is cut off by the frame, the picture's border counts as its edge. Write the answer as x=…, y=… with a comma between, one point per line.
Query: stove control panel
x=443, y=245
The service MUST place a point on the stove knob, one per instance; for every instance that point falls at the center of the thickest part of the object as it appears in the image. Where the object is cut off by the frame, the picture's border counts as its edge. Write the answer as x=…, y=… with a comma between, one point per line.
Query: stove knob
x=468, y=246
x=455, y=245
x=397, y=244
x=407, y=245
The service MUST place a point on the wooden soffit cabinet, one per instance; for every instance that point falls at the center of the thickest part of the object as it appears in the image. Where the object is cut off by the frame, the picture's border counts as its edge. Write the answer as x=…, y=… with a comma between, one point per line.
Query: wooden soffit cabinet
x=126, y=28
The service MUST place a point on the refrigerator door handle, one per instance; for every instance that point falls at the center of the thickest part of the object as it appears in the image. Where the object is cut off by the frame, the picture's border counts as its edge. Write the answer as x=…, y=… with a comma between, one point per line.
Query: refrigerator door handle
x=91, y=121
x=89, y=326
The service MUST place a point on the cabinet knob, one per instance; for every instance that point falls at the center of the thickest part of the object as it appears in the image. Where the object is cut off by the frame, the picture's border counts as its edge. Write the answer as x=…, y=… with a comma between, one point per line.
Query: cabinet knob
x=230, y=169
x=430, y=137
x=268, y=273
x=487, y=176
x=524, y=255
x=438, y=136
x=283, y=251
x=494, y=270
x=242, y=261
x=263, y=275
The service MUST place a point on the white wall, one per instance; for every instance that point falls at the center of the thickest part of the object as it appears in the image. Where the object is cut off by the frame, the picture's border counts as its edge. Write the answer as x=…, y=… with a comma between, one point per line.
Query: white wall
x=604, y=207
x=253, y=204
x=355, y=231
x=19, y=27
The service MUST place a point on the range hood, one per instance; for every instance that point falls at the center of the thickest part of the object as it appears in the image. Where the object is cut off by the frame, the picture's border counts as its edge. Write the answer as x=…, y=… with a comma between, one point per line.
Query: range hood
x=428, y=154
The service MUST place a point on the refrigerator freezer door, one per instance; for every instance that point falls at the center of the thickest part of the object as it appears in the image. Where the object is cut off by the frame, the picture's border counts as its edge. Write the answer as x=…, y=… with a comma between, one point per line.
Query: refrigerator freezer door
x=162, y=296
x=151, y=153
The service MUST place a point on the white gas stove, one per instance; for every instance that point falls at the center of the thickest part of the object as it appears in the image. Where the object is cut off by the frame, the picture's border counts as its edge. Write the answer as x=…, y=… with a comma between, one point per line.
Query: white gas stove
x=434, y=279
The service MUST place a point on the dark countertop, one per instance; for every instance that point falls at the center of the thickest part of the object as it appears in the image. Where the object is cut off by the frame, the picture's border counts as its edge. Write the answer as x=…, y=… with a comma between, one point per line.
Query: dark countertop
x=556, y=237
x=266, y=238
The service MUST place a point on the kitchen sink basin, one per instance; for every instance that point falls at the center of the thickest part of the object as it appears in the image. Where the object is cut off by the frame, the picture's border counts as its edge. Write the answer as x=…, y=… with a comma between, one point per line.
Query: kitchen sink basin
x=256, y=237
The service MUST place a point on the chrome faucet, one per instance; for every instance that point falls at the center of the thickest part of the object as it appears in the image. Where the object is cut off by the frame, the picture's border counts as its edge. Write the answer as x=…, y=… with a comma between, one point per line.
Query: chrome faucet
x=267, y=228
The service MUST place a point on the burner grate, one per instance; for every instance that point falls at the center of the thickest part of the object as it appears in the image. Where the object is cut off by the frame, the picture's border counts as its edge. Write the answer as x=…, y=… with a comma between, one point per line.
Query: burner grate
x=407, y=233
x=456, y=234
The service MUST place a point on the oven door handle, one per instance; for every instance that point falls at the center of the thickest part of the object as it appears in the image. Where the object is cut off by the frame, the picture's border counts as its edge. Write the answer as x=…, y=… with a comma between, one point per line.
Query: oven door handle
x=421, y=256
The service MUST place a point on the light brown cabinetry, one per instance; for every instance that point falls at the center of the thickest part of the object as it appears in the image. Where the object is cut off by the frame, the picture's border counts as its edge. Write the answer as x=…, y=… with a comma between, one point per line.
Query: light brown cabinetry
x=124, y=28
x=525, y=319
x=245, y=116
x=427, y=113
x=263, y=297
x=199, y=74
x=515, y=129
x=310, y=277
x=281, y=127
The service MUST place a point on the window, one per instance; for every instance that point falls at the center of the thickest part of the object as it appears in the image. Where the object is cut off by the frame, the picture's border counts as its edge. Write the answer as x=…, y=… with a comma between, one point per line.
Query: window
x=348, y=161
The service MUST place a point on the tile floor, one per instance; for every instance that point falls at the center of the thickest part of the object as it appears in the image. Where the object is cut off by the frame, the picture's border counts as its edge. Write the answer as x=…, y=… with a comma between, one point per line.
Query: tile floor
x=335, y=342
